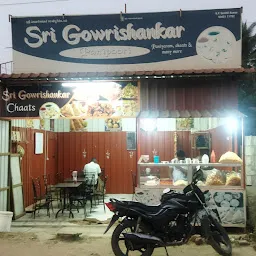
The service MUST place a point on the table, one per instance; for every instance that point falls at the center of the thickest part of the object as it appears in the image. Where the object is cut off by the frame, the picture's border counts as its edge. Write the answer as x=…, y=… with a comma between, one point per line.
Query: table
x=66, y=186
x=78, y=180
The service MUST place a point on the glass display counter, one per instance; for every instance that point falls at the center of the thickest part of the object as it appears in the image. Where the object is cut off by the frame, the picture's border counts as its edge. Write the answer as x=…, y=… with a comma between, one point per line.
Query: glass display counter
x=225, y=181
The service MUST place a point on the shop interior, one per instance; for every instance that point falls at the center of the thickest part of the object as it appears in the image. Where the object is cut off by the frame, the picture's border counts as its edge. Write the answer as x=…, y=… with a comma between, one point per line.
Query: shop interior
x=66, y=150
x=119, y=125
x=198, y=138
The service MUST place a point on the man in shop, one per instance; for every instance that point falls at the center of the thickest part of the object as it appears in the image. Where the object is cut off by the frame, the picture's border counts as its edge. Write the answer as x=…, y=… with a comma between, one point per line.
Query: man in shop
x=92, y=169
x=179, y=173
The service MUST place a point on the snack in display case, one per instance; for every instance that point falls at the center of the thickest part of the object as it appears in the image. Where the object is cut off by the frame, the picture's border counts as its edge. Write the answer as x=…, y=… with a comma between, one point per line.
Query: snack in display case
x=230, y=157
x=233, y=179
x=200, y=183
x=166, y=182
x=214, y=178
x=180, y=183
x=151, y=180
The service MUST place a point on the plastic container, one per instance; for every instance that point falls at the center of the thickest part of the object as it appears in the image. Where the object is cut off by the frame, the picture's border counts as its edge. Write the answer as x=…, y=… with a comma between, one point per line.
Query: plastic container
x=205, y=159
x=213, y=157
x=156, y=159
x=5, y=221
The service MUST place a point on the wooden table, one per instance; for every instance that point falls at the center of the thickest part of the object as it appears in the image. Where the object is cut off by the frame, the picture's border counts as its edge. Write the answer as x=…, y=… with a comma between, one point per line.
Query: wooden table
x=66, y=187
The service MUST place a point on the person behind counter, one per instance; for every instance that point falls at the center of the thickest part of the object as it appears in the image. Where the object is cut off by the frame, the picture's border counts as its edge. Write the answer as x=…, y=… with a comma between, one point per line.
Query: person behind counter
x=179, y=173
x=92, y=168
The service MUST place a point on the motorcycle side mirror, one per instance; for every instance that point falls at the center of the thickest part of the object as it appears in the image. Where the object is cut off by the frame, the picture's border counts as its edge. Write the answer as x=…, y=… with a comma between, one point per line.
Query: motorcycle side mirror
x=198, y=175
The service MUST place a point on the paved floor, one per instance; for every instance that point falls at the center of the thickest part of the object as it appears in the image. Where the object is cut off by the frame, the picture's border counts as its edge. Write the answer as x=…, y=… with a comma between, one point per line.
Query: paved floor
x=42, y=219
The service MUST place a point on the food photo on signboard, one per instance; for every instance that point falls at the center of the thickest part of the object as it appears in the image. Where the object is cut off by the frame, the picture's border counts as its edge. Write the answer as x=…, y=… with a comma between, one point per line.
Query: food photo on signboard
x=78, y=100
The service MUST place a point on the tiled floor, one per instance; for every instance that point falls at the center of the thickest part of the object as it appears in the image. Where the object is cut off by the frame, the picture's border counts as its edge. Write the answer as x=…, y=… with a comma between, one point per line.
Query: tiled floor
x=97, y=213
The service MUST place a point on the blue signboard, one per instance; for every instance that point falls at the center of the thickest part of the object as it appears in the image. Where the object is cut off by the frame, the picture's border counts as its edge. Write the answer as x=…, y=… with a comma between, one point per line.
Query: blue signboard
x=128, y=42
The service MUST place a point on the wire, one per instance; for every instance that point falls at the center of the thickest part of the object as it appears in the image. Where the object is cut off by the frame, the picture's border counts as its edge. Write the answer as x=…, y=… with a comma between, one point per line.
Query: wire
x=35, y=2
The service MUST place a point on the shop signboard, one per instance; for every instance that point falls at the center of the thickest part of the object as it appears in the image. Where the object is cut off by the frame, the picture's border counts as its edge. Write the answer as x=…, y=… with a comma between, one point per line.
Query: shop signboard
x=77, y=101
x=128, y=42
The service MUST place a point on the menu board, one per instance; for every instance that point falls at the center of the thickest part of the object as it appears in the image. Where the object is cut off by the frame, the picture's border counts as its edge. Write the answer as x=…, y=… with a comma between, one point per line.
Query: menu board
x=73, y=101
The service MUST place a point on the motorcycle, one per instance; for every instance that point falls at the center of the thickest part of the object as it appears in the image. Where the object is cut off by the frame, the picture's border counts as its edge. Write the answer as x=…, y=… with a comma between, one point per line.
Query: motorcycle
x=144, y=228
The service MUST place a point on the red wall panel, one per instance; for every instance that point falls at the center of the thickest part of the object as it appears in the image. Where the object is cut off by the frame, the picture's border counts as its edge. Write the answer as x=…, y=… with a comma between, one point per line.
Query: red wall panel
x=163, y=143
x=34, y=165
x=188, y=94
x=221, y=141
x=96, y=144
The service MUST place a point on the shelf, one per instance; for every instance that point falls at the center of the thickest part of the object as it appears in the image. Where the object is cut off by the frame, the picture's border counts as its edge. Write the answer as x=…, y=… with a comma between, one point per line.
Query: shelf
x=203, y=188
x=199, y=164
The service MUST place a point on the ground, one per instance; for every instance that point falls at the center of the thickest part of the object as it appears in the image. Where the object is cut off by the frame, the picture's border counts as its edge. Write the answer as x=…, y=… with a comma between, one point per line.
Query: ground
x=42, y=242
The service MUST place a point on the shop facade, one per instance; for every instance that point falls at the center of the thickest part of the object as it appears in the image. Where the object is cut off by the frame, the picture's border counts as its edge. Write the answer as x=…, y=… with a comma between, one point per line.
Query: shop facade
x=154, y=91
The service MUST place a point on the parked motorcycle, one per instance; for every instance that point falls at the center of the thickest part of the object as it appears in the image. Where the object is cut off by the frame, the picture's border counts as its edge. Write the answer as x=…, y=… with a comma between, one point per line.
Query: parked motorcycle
x=144, y=228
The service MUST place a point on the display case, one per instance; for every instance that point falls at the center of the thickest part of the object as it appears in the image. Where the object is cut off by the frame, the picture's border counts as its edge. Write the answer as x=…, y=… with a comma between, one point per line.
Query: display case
x=225, y=181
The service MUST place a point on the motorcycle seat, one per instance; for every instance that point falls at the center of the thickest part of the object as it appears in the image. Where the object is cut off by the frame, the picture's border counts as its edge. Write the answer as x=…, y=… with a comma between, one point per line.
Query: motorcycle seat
x=138, y=206
x=157, y=211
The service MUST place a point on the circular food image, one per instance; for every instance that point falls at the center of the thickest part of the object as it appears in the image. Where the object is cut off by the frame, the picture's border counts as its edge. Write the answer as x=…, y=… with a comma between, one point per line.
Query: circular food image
x=234, y=203
x=49, y=110
x=216, y=44
x=218, y=199
x=113, y=123
x=237, y=195
x=228, y=197
x=225, y=204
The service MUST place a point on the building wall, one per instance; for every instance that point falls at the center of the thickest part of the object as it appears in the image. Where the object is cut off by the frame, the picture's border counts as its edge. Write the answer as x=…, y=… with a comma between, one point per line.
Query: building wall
x=75, y=149
x=188, y=94
x=250, y=160
x=35, y=165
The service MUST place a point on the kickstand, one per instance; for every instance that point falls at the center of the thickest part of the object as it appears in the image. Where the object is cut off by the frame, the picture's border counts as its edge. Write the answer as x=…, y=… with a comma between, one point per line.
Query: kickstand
x=166, y=251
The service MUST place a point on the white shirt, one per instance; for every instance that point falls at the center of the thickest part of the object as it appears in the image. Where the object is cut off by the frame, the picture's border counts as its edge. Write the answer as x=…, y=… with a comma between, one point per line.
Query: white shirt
x=178, y=174
x=93, y=168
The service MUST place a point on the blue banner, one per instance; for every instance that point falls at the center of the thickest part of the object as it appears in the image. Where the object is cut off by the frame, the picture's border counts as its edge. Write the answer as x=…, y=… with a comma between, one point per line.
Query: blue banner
x=128, y=42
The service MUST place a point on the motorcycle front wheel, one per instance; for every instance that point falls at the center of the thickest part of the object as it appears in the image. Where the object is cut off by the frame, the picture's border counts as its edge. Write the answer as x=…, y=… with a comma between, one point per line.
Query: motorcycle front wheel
x=219, y=239
x=120, y=248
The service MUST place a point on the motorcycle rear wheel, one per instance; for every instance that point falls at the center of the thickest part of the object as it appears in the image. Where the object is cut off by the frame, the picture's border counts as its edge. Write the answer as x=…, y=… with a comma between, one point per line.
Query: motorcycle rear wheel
x=117, y=236
x=219, y=239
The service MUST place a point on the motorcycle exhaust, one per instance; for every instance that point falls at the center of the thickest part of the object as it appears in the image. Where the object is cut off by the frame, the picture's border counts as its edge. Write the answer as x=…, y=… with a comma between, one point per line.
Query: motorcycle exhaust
x=143, y=239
